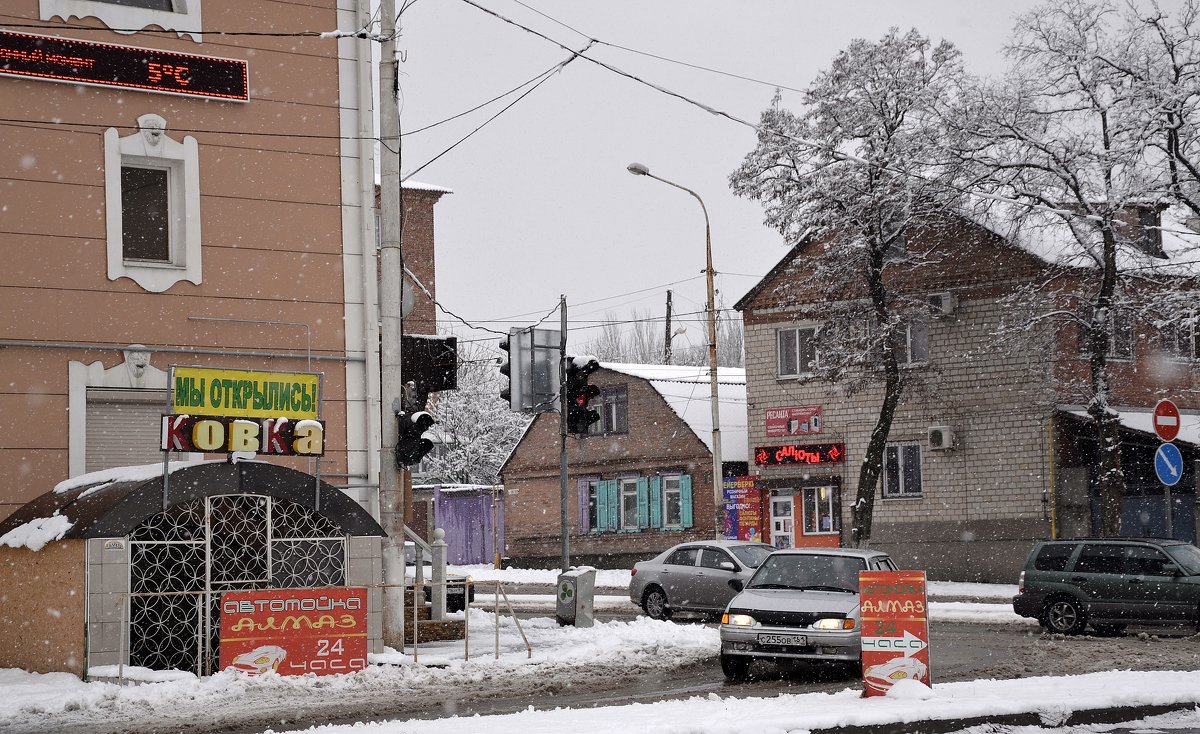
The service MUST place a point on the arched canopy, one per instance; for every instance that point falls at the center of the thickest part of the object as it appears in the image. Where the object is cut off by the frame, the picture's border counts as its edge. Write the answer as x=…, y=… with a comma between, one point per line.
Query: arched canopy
x=112, y=508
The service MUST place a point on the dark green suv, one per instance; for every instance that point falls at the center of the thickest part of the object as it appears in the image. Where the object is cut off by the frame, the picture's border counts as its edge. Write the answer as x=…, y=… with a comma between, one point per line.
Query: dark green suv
x=1110, y=583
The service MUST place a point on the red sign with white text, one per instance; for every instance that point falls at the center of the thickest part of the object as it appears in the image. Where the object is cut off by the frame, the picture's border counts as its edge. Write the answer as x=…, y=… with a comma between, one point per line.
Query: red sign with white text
x=794, y=421
x=1166, y=420
x=294, y=631
x=895, y=631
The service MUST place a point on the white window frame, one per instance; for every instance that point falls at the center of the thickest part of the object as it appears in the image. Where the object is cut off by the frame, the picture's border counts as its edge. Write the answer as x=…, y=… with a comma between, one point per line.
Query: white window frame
x=677, y=490
x=830, y=507
x=1181, y=339
x=151, y=147
x=186, y=20
x=915, y=334
x=902, y=491
x=628, y=489
x=802, y=369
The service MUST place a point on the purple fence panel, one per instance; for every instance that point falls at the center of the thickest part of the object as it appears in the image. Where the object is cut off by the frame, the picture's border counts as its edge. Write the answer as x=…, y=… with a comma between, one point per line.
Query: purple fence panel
x=466, y=516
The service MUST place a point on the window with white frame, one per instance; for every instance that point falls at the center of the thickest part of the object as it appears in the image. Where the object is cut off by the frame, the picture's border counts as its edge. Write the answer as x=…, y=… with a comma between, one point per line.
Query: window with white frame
x=613, y=406
x=152, y=206
x=912, y=340
x=672, y=502
x=902, y=470
x=1181, y=338
x=130, y=16
x=1121, y=336
x=822, y=510
x=797, y=351
x=629, y=503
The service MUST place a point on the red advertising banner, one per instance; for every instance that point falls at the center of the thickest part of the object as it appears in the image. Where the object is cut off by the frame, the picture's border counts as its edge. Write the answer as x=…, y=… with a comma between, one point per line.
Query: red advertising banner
x=796, y=420
x=294, y=631
x=895, y=631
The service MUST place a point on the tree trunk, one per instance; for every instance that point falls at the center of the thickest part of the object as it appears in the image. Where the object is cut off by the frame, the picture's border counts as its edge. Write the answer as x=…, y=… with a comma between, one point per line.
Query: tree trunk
x=1111, y=479
x=863, y=511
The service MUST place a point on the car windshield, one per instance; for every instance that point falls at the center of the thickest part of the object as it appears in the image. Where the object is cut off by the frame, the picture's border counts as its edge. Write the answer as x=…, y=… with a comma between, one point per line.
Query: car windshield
x=752, y=555
x=1187, y=556
x=822, y=572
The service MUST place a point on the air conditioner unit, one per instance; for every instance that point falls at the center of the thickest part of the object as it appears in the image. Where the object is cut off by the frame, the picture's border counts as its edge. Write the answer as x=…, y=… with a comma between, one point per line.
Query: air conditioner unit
x=941, y=438
x=942, y=304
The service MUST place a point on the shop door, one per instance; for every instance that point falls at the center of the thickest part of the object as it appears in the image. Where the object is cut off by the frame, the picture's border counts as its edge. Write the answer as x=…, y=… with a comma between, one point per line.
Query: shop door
x=783, y=526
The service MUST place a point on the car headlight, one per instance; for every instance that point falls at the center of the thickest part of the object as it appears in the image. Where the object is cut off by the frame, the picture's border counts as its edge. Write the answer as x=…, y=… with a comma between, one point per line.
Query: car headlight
x=833, y=623
x=738, y=620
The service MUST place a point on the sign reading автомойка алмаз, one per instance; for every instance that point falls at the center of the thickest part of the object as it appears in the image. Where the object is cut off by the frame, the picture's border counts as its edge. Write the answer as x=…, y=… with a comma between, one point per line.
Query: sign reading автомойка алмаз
x=244, y=393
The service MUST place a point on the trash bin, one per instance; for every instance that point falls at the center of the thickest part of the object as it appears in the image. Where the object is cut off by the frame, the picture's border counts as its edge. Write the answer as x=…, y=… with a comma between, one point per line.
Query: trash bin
x=576, y=592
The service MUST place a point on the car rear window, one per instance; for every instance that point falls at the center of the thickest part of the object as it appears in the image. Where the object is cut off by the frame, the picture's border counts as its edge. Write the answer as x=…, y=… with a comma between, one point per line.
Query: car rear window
x=683, y=557
x=1053, y=557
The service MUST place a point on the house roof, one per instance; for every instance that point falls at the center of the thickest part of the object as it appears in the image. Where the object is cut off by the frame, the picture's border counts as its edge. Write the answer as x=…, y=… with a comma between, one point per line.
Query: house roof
x=1051, y=239
x=419, y=186
x=1141, y=420
x=686, y=390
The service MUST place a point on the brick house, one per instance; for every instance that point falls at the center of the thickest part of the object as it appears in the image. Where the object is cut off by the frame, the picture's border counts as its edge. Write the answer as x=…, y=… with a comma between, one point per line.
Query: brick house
x=640, y=481
x=990, y=447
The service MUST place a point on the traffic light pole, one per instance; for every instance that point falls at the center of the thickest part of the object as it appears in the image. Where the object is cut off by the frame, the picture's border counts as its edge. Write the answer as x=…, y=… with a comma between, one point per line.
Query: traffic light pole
x=562, y=429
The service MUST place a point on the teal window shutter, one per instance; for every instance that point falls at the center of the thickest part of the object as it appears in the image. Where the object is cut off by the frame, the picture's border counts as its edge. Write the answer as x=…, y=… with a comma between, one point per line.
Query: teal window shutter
x=656, y=502
x=613, y=490
x=685, y=500
x=643, y=503
x=601, y=506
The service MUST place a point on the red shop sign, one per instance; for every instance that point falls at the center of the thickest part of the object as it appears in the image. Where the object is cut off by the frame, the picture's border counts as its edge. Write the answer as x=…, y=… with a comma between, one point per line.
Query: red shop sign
x=294, y=631
x=895, y=630
x=794, y=421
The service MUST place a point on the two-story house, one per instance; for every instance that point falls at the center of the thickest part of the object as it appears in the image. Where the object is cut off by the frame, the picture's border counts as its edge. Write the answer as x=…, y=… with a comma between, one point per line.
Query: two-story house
x=640, y=480
x=990, y=447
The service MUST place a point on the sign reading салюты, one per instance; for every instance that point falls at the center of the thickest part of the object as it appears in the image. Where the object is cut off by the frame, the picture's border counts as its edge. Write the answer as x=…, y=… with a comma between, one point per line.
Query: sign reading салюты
x=217, y=411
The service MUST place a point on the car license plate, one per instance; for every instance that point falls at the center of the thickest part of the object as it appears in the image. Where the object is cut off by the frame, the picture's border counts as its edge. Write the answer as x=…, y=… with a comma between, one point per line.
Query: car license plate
x=797, y=640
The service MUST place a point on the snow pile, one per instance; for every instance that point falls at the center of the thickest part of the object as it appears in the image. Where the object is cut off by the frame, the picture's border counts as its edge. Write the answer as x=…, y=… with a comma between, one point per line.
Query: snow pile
x=36, y=533
x=605, y=579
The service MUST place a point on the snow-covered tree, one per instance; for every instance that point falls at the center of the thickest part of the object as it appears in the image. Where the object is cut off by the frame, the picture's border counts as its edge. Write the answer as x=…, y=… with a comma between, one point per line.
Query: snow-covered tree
x=855, y=175
x=640, y=340
x=477, y=428
x=1069, y=136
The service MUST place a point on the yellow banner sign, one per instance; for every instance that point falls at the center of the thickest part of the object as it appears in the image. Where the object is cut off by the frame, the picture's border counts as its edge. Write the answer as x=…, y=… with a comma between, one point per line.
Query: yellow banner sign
x=243, y=393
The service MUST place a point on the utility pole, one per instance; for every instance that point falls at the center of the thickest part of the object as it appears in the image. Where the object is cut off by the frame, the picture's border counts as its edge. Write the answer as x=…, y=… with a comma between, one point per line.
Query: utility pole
x=391, y=392
x=667, y=334
x=562, y=431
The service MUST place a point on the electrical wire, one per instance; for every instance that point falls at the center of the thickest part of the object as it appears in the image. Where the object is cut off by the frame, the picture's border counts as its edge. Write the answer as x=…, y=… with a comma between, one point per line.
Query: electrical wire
x=656, y=56
x=574, y=55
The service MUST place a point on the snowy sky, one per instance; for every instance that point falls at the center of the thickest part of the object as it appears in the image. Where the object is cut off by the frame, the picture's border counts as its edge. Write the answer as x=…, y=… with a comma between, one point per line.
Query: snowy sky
x=543, y=204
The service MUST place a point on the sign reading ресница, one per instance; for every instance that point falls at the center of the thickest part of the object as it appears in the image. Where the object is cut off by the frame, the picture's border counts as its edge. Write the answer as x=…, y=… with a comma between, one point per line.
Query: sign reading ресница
x=245, y=394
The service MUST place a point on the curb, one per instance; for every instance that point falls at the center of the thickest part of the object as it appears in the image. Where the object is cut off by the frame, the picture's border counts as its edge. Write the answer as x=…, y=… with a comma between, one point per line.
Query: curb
x=1033, y=718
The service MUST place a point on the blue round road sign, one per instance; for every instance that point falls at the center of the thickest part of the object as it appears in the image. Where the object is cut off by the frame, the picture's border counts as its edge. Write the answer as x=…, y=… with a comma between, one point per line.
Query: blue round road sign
x=1168, y=464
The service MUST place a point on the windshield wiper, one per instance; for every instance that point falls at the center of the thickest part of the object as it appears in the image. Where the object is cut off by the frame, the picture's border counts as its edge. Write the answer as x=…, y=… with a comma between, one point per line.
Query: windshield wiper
x=827, y=588
x=771, y=586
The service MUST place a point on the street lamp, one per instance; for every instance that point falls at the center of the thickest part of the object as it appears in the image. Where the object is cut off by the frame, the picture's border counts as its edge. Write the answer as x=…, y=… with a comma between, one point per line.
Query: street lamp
x=638, y=169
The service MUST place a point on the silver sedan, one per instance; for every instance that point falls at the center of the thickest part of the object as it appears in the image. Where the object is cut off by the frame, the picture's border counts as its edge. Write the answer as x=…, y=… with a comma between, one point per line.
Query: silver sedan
x=694, y=577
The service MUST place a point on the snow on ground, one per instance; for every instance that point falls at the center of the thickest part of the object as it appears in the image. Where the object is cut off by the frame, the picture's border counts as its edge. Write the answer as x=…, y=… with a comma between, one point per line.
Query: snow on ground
x=609, y=579
x=1053, y=698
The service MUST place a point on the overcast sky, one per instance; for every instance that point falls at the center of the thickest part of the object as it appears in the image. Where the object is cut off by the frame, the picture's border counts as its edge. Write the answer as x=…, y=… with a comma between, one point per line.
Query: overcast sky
x=542, y=203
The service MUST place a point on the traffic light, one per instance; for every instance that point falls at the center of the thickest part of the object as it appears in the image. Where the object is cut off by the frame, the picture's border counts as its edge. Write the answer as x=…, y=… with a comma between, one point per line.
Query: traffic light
x=410, y=446
x=580, y=393
x=506, y=370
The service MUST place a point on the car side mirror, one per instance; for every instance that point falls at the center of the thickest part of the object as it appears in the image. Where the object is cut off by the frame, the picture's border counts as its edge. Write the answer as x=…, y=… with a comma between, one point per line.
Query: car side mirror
x=736, y=585
x=727, y=566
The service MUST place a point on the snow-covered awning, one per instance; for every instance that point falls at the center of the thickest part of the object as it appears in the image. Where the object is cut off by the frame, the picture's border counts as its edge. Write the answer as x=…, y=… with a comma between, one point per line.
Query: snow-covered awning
x=686, y=390
x=1142, y=421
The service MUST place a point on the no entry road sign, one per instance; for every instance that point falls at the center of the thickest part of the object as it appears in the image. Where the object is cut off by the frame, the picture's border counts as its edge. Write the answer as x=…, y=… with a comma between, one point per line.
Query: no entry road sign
x=1166, y=420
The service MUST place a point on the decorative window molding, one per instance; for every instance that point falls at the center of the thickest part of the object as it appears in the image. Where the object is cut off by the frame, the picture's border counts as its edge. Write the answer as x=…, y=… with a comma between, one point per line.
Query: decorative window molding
x=151, y=148
x=184, y=19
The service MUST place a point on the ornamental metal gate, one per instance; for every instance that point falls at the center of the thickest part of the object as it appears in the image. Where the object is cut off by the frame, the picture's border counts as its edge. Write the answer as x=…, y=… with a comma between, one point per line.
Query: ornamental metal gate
x=182, y=559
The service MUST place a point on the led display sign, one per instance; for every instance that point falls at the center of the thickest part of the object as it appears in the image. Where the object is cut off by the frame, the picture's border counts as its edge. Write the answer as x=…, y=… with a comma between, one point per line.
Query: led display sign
x=812, y=453
x=129, y=67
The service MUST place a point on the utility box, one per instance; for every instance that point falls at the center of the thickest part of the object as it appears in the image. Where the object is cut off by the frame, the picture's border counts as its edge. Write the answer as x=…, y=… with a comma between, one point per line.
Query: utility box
x=576, y=595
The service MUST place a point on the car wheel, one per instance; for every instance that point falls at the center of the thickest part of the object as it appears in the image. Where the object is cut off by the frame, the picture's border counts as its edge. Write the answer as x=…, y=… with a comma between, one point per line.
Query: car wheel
x=736, y=667
x=654, y=603
x=1065, y=616
x=1109, y=630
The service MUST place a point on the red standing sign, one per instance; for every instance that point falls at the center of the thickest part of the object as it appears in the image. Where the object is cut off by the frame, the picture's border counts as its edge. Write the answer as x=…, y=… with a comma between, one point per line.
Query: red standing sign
x=294, y=631
x=895, y=631
x=1166, y=420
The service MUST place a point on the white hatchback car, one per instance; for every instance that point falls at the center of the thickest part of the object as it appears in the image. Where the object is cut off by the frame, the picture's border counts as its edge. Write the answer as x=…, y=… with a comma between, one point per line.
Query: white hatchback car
x=801, y=604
